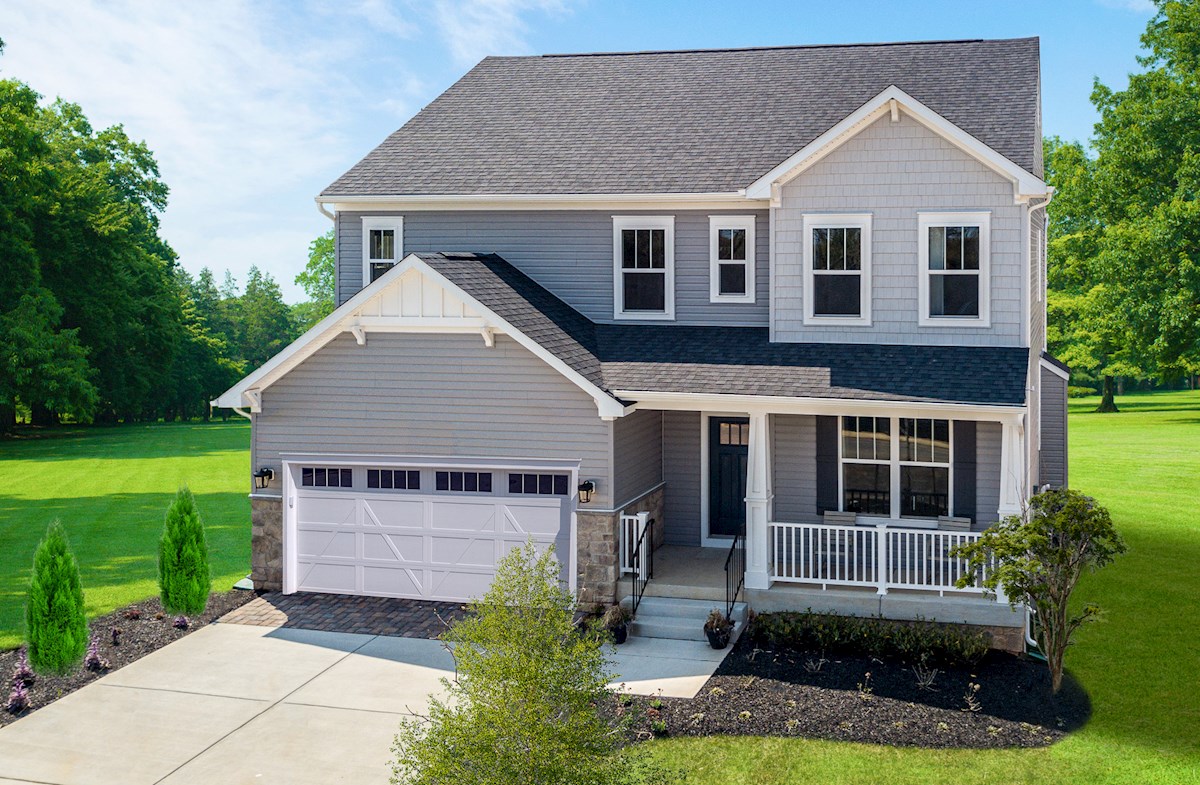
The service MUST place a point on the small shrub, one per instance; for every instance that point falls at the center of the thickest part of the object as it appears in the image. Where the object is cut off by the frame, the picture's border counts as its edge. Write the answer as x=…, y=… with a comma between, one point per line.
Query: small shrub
x=718, y=622
x=911, y=642
x=133, y=614
x=659, y=727
x=55, y=623
x=18, y=699
x=184, y=578
x=180, y=622
x=22, y=672
x=116, y=636
x=615, y=616
x=814, y=666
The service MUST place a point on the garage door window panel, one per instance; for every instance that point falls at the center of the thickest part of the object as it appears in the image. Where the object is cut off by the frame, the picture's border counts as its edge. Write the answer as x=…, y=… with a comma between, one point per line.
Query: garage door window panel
x=326, y=477
x=464, y=482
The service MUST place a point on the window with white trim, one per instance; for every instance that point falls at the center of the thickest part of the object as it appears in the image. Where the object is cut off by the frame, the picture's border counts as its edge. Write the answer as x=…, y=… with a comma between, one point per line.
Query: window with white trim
x=897, y=467
x=383, y=241
x=326, y=477
x=837, y=269
x=644, y=267
x=540, y=484
x=954, y=251
x=731, y=258
x=464, y=482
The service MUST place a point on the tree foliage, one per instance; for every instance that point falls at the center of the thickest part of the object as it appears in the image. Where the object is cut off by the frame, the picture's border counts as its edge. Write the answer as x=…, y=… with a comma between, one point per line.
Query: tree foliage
x=319, y=283
x=1038, y=558
x=184, y=577
x=1124, y=242
x=523, y=705
x=55, y=623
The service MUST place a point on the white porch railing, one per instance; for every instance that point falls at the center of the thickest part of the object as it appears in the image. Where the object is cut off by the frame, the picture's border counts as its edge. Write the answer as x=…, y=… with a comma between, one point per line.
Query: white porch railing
x=631, y=530
x=883, y=557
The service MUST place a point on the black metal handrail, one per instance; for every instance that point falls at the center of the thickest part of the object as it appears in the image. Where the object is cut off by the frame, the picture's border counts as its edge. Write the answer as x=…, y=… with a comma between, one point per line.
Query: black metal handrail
x=643, y=553
x=735, y=572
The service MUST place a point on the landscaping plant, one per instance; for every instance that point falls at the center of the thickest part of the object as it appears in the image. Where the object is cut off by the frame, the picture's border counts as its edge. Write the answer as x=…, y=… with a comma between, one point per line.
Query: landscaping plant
x=55, y=623
x=1038, y=558
x=184, y=578
x=524, y=704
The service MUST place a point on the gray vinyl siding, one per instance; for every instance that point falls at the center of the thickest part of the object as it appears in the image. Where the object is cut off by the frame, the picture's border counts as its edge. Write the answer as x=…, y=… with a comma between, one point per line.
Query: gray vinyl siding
x=432, y=395
x=893, y=170
x=637, y=454
x=794, y=444
x=570, y=252
x=987, y=473
x=1053, y=457
x=681, y=471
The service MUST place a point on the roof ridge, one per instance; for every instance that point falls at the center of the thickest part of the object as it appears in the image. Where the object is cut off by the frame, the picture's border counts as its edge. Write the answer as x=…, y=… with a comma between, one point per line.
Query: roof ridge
x=854, y=45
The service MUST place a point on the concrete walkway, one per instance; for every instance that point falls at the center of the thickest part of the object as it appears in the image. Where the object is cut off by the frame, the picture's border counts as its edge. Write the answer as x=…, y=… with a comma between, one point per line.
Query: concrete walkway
x=244, y=704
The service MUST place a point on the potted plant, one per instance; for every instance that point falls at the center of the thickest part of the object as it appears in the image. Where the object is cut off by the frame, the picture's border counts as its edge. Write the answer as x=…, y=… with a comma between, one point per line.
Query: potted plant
x=616, y=621
x=717, y=629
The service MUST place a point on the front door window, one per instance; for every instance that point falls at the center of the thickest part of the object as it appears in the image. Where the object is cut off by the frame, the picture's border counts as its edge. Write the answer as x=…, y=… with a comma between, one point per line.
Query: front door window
x=728, y=443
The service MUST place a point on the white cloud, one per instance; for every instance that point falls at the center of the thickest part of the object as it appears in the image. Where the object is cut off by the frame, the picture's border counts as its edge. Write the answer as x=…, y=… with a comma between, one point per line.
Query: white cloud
x=472, y=30
x=251, y=108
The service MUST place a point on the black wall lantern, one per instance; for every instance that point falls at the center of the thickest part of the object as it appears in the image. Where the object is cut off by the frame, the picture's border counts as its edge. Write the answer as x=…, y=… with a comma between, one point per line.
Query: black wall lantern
x=264, y=476
x=586, y=489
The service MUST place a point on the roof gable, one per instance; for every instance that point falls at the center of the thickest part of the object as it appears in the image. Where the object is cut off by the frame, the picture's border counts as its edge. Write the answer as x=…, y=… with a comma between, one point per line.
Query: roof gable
x=894, y=101
x=686, y=122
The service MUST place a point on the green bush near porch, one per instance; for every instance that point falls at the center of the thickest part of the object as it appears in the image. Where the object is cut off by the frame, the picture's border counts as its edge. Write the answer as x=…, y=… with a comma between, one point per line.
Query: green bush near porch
x=1138, y=663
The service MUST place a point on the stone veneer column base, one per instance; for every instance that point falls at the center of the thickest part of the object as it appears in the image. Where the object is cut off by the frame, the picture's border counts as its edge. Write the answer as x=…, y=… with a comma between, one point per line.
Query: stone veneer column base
x=597, y=536
x=266, y=543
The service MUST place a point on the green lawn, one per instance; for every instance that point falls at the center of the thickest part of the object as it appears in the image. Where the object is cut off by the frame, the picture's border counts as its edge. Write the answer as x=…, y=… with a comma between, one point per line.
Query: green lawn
x=110, y=486
x=1140, y=665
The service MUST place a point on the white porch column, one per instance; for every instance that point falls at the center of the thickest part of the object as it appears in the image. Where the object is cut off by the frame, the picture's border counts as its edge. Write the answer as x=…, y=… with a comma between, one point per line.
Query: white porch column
x=1012, y=468
x=759, y=502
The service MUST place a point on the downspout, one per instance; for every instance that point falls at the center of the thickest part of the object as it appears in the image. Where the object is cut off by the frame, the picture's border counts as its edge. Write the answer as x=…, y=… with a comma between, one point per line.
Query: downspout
x=242, y=411
x=1042, y=205
x=324, y=212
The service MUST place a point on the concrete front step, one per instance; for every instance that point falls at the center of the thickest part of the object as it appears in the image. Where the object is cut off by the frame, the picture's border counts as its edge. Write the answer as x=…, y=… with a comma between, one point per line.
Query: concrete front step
x=678, y=619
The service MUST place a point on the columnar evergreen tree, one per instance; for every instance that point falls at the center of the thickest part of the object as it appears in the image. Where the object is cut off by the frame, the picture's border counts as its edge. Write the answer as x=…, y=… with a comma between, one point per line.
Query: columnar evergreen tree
x=55, y=622
x=184, y=577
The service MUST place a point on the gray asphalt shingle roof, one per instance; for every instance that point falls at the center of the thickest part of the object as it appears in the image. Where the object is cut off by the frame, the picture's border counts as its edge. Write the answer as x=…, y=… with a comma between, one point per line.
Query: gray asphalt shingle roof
x=733, y=360
x=685, y=122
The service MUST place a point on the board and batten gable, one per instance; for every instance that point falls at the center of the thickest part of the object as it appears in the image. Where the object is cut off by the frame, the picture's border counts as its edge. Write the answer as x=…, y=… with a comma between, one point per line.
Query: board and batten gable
x=893, y=170
x=426, y=395
x=570, y=252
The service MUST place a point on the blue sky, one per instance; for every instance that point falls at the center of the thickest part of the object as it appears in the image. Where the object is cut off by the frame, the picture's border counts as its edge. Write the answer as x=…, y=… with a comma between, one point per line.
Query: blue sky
x=253, y=107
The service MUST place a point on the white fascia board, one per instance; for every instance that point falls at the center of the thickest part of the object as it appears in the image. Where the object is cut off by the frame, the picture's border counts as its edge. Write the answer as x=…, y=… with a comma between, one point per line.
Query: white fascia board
x=826, y=406
x=1026, y=185
x=344, y=317
x=735, y=200
x=1059, y=372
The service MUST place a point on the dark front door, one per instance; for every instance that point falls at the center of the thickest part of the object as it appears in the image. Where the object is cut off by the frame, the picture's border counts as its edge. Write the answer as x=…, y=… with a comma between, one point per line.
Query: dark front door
x=728, y=441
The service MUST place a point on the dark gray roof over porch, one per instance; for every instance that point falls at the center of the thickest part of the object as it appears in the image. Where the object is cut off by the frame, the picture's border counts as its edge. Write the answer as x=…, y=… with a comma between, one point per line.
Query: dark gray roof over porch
x=734, y=360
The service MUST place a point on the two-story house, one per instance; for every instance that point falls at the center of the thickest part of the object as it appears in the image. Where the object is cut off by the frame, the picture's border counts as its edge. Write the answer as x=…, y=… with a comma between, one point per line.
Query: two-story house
x=787, y=303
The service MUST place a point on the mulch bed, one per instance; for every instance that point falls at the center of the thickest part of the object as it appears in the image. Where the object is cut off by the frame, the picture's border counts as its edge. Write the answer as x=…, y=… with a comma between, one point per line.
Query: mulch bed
x=765, y=692
x=151, y=630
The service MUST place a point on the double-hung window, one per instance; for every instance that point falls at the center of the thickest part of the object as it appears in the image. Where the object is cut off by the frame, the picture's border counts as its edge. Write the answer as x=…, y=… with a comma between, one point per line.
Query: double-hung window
x=954, y=257
x=383, y=240
x=837, y=269
x=895, y=467
x=644, y=267
x=731, y=258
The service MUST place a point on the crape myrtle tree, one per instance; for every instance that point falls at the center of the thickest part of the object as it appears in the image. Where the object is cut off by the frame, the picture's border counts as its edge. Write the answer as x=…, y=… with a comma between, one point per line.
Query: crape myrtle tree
x=524, y=703
x=55, y=622
x=1039, y=557
x=184, y=577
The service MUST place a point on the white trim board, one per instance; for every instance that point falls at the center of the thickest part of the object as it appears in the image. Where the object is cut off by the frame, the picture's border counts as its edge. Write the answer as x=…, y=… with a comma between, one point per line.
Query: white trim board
x=891, y=101
x=457, y=310
x=747, y=224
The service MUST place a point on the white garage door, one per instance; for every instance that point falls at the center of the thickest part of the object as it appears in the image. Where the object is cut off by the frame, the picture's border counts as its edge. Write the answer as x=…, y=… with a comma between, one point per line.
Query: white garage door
x=433, y=547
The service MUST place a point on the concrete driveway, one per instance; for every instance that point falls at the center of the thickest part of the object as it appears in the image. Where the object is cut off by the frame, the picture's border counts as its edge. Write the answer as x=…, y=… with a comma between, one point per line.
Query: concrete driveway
x=241, y=704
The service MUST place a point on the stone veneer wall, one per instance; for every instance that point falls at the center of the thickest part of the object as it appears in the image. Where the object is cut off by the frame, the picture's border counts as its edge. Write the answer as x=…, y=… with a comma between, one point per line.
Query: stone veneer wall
x=597, y=538
x=266, y=543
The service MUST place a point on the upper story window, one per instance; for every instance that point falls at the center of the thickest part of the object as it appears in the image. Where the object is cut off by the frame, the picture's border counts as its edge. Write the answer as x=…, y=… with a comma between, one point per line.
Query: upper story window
x=954, y=253
x=383, y=241
x=896, y=466
x=731, y=258
x=837, y=269
x=644, y=267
